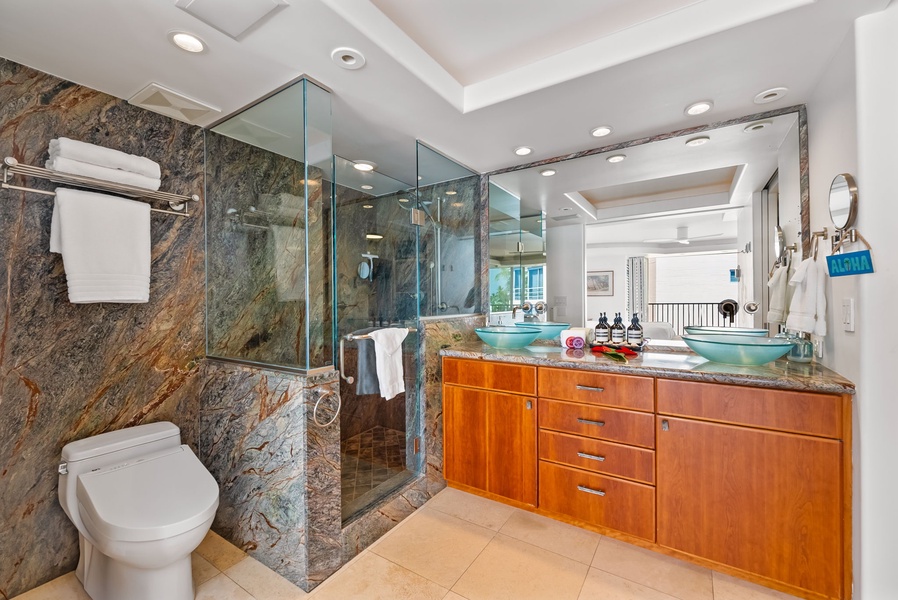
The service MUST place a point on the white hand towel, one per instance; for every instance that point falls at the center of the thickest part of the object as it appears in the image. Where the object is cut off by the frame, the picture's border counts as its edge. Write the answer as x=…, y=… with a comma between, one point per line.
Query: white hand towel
x=803, y=308
x=289, y=262
x=104, y=157
x=779, y=285
x=105, y=246
x=76, y=167
x=388, y=360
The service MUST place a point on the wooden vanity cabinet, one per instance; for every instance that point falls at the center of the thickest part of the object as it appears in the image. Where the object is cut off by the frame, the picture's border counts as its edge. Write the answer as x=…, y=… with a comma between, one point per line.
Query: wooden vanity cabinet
x=489, y=440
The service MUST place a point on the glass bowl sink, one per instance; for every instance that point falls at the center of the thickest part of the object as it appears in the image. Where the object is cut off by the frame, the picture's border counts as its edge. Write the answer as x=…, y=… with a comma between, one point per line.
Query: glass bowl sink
x=714, y=330
x=738, y=349
x=508, y=337
x=547, y=330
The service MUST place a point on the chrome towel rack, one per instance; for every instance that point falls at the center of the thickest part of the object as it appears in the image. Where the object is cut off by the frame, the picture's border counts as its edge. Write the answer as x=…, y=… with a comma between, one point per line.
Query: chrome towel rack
x=349, y=338
x=11, y=167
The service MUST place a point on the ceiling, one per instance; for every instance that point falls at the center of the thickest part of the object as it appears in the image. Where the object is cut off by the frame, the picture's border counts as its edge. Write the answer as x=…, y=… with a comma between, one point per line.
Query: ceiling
x=472, y=79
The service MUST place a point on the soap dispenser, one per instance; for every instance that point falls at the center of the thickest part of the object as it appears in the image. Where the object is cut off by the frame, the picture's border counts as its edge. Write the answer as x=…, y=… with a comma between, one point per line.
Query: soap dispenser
x=603, y=332
x=618, y=333
x=634, y=331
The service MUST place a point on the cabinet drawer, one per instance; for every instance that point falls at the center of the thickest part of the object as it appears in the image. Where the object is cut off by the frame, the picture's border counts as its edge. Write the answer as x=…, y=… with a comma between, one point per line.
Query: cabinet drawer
x=605, y=501
x=797, y=412
x=598, y=456
x=624, y=426
x=625, y=391
x=502, y=377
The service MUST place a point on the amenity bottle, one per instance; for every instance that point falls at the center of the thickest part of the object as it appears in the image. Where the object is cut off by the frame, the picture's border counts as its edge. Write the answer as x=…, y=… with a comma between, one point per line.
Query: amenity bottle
x=618, y=333
x=603, y=332
x=634, y=331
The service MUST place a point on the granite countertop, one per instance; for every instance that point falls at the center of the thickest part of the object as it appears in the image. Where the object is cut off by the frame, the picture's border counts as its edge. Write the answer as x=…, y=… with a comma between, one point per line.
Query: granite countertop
x=780, y=374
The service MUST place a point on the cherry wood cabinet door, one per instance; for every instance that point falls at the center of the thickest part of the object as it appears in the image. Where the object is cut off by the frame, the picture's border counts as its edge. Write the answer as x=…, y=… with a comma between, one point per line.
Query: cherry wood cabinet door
x=464, y=439
x=763, y=501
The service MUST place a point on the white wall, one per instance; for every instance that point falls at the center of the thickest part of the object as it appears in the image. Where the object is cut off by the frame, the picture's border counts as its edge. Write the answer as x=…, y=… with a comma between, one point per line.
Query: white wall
x=566, y=274
x=877, y=118
x=608, y=259
x=700, y=278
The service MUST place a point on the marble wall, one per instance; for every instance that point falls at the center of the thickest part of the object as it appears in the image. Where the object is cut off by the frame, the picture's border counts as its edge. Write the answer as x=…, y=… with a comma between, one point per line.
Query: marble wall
x=70, y=371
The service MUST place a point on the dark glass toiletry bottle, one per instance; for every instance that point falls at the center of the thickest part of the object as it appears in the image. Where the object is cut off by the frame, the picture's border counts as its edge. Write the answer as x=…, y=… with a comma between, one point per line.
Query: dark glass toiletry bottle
x=603, y=332
x=618, y=333
x=634, y=331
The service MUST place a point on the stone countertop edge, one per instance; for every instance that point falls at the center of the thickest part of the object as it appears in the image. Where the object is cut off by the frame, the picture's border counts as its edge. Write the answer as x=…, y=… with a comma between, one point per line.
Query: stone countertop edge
x=781, y=374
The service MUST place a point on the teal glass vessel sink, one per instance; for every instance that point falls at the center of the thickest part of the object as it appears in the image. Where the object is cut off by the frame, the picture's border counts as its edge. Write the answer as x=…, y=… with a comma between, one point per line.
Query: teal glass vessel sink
x=547, y=330
x=738, y=349
x=507, y=337
x=714, y=330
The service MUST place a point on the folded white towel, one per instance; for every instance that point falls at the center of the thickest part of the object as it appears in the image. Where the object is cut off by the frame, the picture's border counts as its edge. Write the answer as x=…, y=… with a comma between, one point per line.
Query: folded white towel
x=104, y=157
x=388, y=360
x=76, y=167
x=779, y=286
x=807, y=311
x=105, y=246
x=289, y=262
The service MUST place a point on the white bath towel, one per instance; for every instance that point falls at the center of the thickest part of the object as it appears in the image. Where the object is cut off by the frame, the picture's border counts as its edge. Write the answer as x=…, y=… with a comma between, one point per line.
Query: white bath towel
x=807, y=311
x=388, y=360
x=104, y=157
x=105, y=246
x=289, y=262
x=76, y=167
x=779, y=287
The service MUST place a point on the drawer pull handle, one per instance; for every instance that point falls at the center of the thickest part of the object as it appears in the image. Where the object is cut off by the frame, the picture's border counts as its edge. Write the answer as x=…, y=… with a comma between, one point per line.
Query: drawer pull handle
x=583, y=488
x=587, y=388
x=591, y=456
x=589, y=422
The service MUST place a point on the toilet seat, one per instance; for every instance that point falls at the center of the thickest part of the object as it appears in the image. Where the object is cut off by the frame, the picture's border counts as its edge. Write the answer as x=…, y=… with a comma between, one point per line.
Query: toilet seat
x=153, y=497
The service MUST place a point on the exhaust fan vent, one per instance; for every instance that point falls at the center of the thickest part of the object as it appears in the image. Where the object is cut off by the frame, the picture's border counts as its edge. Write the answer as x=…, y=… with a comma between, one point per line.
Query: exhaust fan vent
x=231, y=17
x=170, y=103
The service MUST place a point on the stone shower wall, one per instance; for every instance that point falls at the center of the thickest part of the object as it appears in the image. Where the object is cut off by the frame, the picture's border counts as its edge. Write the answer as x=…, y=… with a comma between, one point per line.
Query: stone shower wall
x=70, y=371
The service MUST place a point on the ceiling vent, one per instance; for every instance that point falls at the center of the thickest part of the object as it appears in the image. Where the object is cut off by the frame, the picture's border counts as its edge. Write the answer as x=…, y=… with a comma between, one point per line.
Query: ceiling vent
x=231, y=17
x=566, y=218
x=167, y=102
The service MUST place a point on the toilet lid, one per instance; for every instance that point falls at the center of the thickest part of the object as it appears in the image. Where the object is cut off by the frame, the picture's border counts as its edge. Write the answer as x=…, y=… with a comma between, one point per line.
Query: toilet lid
x=157, y=496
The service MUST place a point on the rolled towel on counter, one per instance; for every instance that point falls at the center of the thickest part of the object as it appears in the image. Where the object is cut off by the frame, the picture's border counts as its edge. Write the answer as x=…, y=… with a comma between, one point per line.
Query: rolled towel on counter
x=76, y=167
x=575, y=337
x=104, y=157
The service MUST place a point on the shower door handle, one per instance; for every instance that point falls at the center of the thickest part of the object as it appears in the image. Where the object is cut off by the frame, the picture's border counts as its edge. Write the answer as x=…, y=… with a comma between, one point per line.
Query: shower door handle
x=347, y=379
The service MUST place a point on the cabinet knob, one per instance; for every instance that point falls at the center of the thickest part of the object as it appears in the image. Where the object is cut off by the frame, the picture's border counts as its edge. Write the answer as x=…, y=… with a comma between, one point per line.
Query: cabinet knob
x=665, y=426
x=529, y=405
x=583, y=488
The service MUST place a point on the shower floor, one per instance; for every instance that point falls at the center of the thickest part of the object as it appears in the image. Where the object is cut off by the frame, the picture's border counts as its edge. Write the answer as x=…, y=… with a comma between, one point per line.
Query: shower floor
x=373, y=465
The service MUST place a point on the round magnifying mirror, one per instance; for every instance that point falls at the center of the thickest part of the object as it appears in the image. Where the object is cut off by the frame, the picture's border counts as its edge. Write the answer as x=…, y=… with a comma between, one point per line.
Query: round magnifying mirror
x=779, y=242
x=843, y=201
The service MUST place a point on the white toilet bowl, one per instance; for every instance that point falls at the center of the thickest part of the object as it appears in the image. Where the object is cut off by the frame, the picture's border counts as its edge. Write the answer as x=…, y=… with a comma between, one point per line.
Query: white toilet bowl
x=142, y=503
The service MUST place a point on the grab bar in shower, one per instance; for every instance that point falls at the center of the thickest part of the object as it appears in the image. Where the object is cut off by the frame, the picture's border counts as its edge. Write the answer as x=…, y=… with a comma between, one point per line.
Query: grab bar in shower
x=349, y=338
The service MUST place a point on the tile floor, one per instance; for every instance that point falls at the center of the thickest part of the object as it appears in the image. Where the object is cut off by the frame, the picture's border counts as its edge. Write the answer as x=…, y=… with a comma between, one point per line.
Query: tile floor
x=373, y=463
x=463, y=547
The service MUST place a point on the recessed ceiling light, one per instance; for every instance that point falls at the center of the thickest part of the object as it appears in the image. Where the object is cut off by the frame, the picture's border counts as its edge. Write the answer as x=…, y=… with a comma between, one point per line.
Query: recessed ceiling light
x=367, y=187
x=698, y=141
x=348, y=58
x=458, y=204
x=547, y=172
x=420, y=177
x=403, y=199
x=616, y=158
x=601, y=131
x=758, y=126
x=186, y=41
x=364, y=165
x=373, y=236
x=699, y=108
x=565, y=209
x=771, y=95
x=523, y=150
x=451, y=193
x=367, y=206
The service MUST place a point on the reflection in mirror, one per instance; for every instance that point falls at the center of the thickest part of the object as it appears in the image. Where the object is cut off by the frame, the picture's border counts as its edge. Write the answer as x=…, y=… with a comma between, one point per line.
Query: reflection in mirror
x=682, y=225
x=843, y=201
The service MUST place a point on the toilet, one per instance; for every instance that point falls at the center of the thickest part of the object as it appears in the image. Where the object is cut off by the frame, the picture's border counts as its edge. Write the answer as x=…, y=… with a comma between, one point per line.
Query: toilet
x=142, y=502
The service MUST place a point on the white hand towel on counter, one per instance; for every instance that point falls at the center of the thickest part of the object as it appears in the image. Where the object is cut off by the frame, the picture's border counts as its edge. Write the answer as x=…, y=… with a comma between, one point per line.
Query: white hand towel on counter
x=104, y=157
x=76, y=167
x=807, y=311
x=779, y=287
x=388, y=360
x=105, y=246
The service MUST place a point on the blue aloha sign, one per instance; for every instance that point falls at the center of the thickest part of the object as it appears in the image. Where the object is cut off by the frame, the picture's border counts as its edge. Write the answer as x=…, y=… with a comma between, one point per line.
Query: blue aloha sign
x=851, y=263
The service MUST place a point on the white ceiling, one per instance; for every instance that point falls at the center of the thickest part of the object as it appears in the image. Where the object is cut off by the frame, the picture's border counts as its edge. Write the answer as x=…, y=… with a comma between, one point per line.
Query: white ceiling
x=473, y=79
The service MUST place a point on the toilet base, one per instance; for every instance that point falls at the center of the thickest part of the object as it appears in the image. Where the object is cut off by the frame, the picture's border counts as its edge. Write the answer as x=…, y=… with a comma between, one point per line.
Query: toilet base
x=106, y=579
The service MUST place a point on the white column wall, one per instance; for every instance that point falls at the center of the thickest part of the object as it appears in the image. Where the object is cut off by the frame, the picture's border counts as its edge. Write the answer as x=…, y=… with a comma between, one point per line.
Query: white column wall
x=566, y=274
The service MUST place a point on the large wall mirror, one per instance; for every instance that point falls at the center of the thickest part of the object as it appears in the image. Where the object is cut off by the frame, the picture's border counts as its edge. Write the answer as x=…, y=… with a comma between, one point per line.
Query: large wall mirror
x=683, y=220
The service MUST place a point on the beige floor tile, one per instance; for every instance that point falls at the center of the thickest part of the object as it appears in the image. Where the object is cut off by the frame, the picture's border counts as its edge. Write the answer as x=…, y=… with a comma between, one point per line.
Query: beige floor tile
x=66, y=587
x=605, y=586
x=203, y=570
x=454, y=596
x=221, y=553
x=509, y=569
x=555, y=536
x=651, y=569
x=730, y=588
x=435, y=545
x=221, y=588
x=263, y=583
x=372, y=577
x=469, y=507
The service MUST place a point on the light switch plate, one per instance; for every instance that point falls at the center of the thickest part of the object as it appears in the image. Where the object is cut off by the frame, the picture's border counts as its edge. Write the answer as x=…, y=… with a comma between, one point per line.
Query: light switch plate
x=848, y=314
